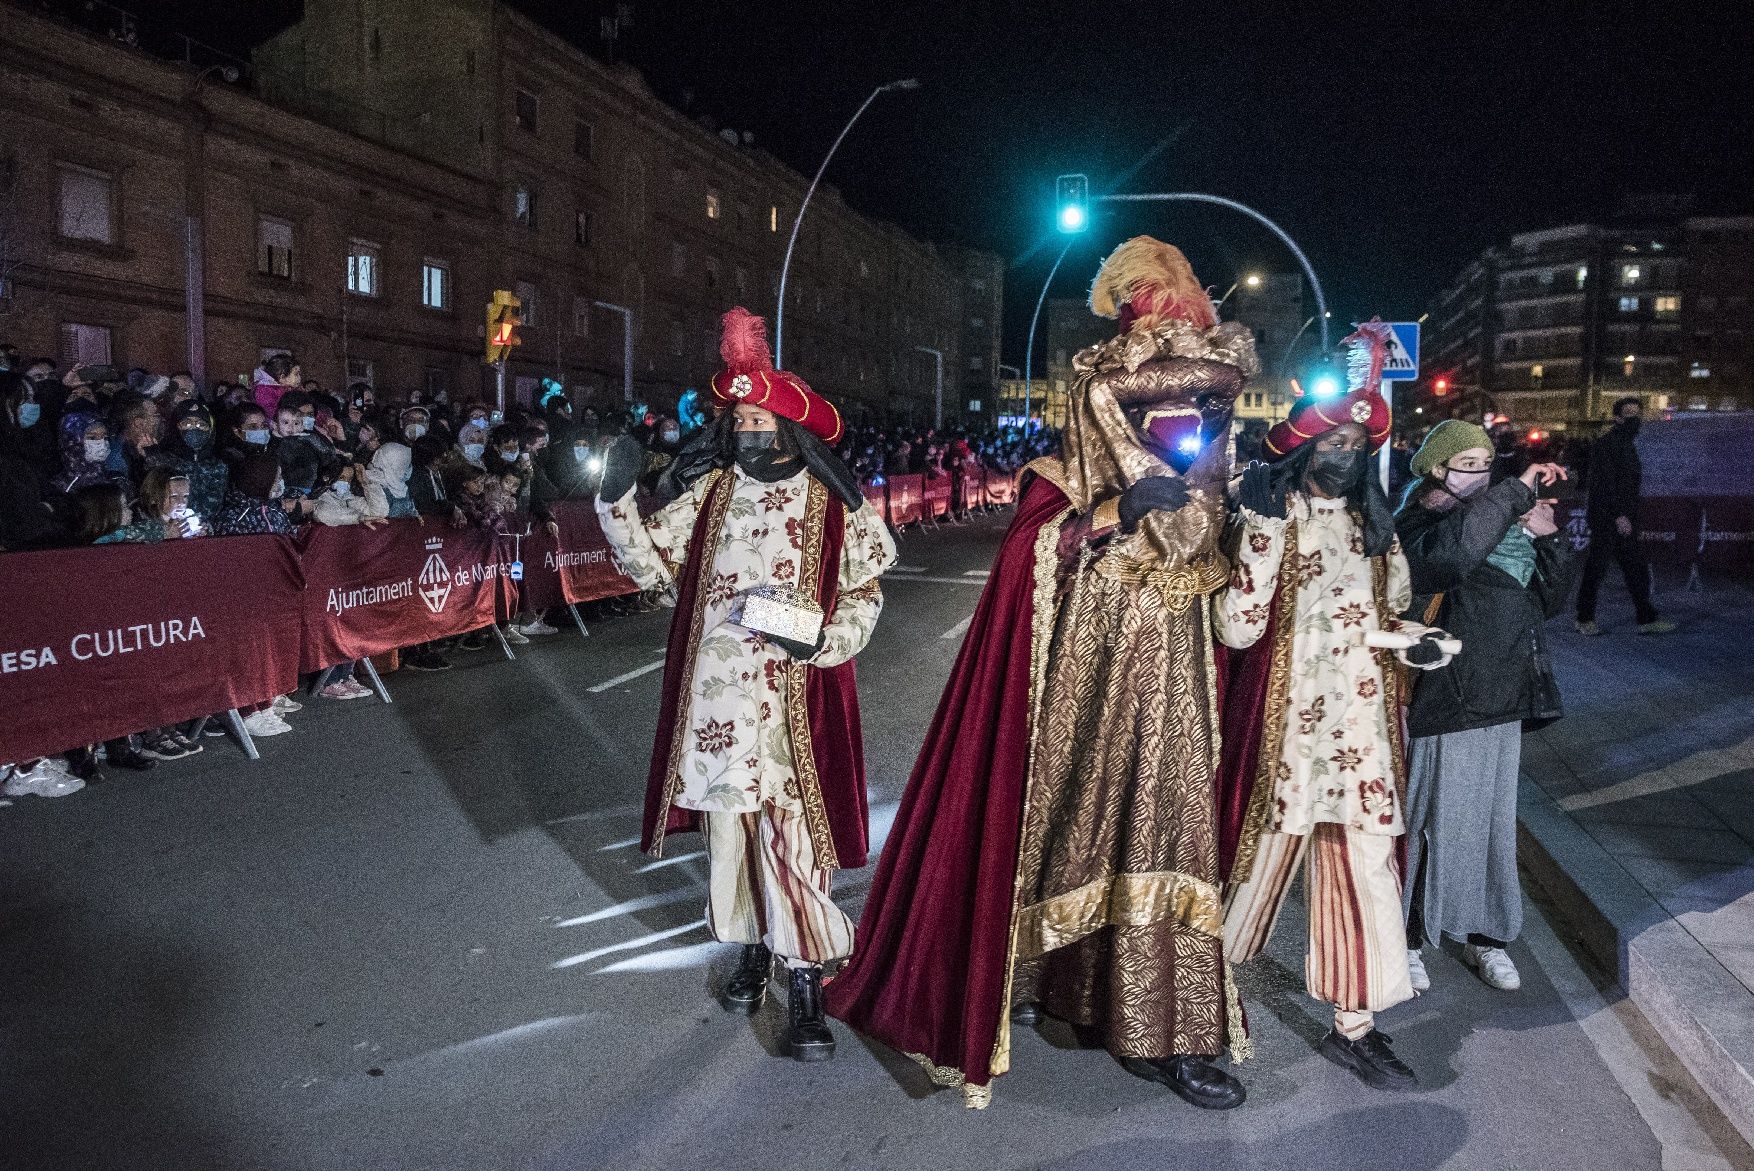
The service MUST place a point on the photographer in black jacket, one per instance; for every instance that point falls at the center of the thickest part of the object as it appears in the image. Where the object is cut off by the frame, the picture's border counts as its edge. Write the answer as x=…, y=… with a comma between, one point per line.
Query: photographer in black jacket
x=1490, y=565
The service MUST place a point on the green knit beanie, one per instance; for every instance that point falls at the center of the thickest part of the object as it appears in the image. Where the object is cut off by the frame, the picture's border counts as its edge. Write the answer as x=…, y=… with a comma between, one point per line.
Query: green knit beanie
x=1447, y=440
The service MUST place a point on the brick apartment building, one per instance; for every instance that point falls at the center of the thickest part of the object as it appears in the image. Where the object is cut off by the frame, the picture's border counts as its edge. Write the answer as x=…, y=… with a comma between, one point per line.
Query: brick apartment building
x=385, y=165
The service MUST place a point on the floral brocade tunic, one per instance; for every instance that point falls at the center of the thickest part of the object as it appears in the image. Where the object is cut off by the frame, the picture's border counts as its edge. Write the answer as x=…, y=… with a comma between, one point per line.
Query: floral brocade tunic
x=1336, y=764
x=737, y=754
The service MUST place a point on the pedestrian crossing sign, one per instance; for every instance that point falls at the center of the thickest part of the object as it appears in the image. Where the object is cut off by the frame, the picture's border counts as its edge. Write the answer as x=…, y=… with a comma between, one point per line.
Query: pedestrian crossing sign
x=1401, y=363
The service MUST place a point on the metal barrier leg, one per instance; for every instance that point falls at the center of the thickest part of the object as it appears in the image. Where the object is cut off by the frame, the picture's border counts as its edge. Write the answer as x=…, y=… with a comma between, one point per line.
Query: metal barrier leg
x=503, y=644
x=371, y=672
x=242, y=733
x=573, y=609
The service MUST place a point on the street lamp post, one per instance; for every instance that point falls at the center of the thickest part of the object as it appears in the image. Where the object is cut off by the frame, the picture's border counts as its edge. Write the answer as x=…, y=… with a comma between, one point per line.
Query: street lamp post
x=779, y=327
x=938, y=392
x=1252, y=280
x=1029, y=338
x=626, y=346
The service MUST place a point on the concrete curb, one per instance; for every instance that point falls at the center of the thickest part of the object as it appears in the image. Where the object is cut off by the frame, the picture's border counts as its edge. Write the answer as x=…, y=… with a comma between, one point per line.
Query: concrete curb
x=1701, y=1011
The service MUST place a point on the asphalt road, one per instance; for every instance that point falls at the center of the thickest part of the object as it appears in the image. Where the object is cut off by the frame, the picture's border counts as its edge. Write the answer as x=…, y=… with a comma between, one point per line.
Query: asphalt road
x=422, y=936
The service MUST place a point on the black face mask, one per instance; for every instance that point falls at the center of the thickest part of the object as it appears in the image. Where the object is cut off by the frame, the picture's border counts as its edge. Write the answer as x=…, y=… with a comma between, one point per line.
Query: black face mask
x=1631, y=425
x=1336, y=473
x=759, y=455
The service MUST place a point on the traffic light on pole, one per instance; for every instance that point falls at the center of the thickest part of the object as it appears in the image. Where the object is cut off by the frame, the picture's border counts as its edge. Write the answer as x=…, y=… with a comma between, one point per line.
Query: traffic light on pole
x=503, y=321
x=1440, y=386
x=1072, y=203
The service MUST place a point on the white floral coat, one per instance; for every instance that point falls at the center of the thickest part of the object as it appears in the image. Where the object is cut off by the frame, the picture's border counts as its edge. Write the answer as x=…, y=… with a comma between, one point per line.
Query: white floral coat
x=738, y=752
x=1336, y=763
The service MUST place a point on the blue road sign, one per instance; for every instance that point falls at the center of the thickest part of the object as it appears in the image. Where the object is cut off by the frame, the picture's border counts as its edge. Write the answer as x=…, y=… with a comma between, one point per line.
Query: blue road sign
x=1401, y=364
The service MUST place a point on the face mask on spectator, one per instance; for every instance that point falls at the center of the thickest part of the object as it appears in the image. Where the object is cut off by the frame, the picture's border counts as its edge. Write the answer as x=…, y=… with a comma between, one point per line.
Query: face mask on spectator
x=670, y=435
x=581, y=453
x=29, y=413
x=257, y=436
x=472, y=451
x=414, y=431
x=97, y=450
x=308, y=422
x=1462, y=485
x=197, y=437
x=341, y=488
x=510, y=456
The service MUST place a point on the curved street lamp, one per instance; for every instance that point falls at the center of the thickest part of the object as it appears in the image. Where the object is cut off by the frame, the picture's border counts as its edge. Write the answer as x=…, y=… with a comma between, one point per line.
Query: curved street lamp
x=779, y=327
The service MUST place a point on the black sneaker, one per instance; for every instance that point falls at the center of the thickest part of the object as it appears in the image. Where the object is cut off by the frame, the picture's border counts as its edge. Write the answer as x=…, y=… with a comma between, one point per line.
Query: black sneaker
x=1195, y=1080
x=162, y=745
x=1370, y=1058
x=426, y=661
x=130, y=758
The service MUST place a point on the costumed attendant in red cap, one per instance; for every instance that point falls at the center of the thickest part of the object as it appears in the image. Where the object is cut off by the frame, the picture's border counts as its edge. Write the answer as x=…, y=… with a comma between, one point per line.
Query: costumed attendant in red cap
x=774, y=556
x=1056, y=849
x=1314, y=767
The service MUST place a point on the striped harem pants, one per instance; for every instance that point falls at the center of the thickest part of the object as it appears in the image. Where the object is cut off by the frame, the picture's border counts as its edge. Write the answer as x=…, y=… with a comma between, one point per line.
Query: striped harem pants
x=764, y=887
x=1357, y=959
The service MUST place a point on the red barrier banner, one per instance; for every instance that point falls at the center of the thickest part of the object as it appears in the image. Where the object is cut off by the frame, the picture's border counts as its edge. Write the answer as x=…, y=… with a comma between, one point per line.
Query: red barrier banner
x=101, y=642
x=971, y=484
x=937, y=497
x=1715, y=533
x=579, y=567
x=1001, y=488
x=878, y=498
x=368, y=591
x=905, y=499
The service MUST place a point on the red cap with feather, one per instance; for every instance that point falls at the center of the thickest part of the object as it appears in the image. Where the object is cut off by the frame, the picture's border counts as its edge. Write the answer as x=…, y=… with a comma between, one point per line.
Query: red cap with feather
x=1363, y=402
x=749, y=377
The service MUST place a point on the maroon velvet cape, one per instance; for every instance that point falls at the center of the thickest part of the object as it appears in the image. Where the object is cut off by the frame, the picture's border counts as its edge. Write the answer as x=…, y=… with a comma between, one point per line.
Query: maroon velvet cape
x=928, y=973
x=831, y=697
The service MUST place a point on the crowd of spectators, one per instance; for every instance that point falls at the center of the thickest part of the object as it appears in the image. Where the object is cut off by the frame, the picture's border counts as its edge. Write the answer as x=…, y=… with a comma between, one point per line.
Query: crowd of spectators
x=94, y=456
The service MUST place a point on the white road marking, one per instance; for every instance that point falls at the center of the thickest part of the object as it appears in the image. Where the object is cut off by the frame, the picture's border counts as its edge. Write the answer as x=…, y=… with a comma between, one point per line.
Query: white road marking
x=977, y=573
x=668, y=959
x=625, y=678
x=963, y=581
x=643, y=903
x=663, y=862
x=627, y=945
x=623, y=844
x=1682, y=774
x=959, y=629
x=907, y=569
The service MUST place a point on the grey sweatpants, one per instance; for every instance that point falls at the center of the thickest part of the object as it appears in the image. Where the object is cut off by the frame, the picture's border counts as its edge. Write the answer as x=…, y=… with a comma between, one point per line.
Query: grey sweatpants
x=1461, y=827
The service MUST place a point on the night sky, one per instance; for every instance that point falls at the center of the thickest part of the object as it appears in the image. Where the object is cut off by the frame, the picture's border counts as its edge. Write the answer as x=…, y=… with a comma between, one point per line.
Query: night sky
x=1393, y=142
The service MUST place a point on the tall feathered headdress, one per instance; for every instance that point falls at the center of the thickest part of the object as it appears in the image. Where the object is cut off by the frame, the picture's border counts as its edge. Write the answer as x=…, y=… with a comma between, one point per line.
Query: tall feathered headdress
x=1145, y=282
x=749, y=377
x=1366, y=349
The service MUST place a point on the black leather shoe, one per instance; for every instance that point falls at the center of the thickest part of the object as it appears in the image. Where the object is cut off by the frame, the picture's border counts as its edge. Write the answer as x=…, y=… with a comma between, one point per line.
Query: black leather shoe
x=747, y=987
x=1193, y=1079
x=131, y=758
x=1026, y=1014
x=1371, y=1059
x=807, y=1034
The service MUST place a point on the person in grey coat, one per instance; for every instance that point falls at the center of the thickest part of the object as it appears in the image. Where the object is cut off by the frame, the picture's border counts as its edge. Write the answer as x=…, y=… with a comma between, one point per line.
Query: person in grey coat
x=1491, y=566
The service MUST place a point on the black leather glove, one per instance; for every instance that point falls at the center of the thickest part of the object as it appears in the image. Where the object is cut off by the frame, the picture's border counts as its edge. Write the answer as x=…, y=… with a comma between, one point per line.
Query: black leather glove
x=802, y=651
x=1257, y=493
x=621, y=468
x=1152, y=494
x=1424, y=651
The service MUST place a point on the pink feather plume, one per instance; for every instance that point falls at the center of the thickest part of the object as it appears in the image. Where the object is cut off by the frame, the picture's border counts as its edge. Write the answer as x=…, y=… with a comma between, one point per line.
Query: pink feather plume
x=743, y=342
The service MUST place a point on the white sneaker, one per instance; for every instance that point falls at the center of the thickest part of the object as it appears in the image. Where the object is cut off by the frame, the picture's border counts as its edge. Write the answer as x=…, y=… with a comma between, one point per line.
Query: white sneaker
x=1416, y=973
x=513, y=636
x=283, y=704
x=1493, y=965
x=265, y=723
x=48, y=779
x=536, y=628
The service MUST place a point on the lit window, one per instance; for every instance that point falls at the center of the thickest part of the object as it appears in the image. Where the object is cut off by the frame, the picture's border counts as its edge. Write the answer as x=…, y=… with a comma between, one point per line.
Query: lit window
x=581, y=229
x=1699, y=370
x=773, y=219
x=1667, y=306
x=581, y=316
x=712, y=204
x=273, y=247
x=435, y=285
x=525, y=110
x=524, y=206
x=1583, y=275
x=1537, y=371
x=525, y=292
x=363, y=277
x=1628, y=364
x=87, y=205
x=87, y=345
x=1629, y=304
x=1630, y=274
